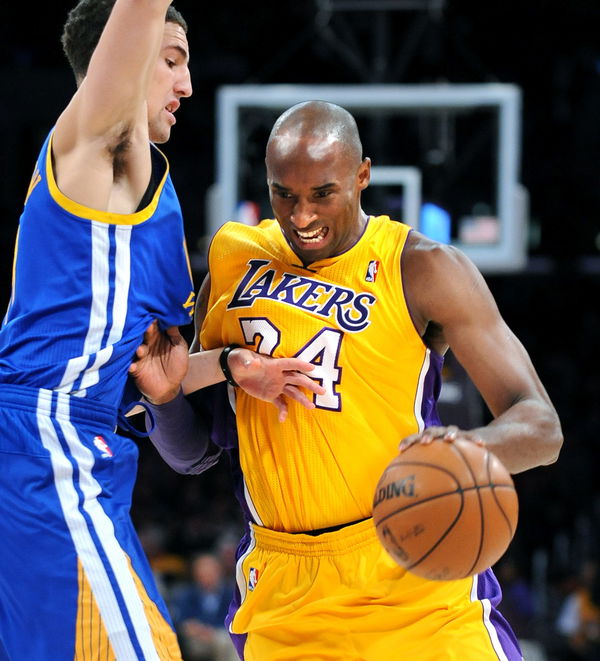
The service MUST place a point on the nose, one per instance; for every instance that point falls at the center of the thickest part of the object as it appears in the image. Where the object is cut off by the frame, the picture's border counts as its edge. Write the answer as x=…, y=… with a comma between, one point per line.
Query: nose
x=183, y=85
x=303, y=214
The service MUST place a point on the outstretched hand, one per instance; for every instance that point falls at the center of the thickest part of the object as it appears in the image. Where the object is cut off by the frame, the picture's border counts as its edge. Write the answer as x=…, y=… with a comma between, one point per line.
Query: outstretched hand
x=274, y=379
x=448, y=434
x=161, y=364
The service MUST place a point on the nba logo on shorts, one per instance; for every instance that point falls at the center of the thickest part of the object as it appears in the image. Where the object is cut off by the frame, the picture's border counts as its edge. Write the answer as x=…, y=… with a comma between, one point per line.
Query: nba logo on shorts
x=372, y=269
x=252, y=578
x=100, y=443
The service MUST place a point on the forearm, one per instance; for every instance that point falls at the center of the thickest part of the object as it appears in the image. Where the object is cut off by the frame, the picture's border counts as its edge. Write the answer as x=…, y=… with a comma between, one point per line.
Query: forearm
x=203, y=370
x=180, y=436
x=126, y=52
x=526, y=435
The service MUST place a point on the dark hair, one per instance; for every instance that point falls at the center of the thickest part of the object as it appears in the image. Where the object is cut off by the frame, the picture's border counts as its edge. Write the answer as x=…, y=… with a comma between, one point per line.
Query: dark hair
x=84, y=26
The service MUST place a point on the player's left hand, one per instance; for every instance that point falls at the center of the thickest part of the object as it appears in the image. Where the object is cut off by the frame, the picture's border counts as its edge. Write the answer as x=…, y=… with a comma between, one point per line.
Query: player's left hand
x=448, y=434
x=161, y=363
x=274, y=379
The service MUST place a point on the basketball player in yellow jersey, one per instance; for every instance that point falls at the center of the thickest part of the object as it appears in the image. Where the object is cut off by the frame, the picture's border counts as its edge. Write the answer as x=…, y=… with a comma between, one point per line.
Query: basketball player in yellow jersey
x=373, y=306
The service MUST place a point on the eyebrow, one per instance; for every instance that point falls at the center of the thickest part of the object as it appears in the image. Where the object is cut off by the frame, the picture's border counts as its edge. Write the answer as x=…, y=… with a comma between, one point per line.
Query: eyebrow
x=182, y=51
x=314, y=188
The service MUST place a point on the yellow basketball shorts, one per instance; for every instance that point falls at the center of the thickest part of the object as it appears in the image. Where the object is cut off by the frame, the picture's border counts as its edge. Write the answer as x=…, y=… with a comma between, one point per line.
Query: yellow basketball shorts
x=339, y=596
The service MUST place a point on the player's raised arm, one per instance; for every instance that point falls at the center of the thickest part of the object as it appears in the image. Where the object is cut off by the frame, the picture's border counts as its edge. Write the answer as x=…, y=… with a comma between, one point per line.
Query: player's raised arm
x=100, y=145
x=114, y=87
x=453, y=307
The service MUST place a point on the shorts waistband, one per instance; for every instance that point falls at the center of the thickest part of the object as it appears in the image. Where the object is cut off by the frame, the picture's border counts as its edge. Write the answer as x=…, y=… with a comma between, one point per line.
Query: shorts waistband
x=54, y=402
x=336, y=542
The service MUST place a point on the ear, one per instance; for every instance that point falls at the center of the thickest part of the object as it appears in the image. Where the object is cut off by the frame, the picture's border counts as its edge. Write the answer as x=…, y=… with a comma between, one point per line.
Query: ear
x=364, y=173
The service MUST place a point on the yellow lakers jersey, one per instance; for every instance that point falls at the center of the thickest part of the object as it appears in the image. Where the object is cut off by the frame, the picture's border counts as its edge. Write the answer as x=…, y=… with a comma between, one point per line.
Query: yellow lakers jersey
x=348, y=316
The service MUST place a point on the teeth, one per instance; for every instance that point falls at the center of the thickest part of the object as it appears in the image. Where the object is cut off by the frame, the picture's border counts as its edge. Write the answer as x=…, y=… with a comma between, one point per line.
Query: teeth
x=309, y=235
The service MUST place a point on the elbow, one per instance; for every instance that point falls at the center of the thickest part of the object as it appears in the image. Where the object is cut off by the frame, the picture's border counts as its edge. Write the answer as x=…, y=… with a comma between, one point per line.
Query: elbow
x=183, y=469
x=554, y=450
x=553, y=440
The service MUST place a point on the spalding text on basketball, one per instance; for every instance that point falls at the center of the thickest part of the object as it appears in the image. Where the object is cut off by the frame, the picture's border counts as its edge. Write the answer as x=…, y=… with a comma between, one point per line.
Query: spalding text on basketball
x=404, y=487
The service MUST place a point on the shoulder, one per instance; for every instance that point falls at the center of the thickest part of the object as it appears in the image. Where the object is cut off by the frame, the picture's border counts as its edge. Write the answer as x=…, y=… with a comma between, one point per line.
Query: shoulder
x=423, y=252
x=426, y=262
x=437, y=277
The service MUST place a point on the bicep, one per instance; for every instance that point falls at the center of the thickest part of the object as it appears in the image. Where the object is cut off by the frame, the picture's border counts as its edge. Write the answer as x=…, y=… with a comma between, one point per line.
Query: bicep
x=472, y=326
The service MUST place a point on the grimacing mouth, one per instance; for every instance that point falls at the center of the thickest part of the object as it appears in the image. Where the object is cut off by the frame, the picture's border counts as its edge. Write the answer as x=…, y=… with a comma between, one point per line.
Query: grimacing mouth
x=312, y=236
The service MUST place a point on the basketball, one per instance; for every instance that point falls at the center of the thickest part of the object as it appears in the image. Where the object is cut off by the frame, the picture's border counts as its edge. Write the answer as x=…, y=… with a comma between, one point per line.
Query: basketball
x=445, y=511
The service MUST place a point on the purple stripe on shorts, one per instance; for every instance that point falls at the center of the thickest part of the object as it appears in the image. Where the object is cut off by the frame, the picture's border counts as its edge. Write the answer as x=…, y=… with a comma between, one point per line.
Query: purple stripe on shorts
x=489, y=588
x=239, y=640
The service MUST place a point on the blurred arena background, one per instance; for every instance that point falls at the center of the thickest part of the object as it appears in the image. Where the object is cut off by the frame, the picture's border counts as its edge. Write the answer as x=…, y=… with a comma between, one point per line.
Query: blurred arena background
x=549, y=52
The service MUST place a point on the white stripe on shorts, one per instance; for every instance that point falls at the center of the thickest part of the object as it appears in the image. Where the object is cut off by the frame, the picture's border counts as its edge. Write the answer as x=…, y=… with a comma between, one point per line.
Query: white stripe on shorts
x=87, y=552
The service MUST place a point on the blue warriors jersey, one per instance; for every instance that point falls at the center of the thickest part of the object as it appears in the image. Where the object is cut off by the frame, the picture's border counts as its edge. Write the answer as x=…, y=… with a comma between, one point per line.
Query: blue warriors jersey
x=87, y=284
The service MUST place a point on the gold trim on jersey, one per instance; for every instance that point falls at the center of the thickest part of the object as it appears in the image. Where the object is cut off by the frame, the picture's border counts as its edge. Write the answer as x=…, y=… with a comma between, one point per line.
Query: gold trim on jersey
x=36, y=177
x=91, y=638
x=14, y=269
x=190, y=303
x=95, y=214
x=165, y=639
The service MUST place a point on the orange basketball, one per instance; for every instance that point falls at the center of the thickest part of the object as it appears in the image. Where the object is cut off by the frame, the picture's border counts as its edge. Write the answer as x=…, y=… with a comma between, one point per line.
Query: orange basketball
x=445, y=510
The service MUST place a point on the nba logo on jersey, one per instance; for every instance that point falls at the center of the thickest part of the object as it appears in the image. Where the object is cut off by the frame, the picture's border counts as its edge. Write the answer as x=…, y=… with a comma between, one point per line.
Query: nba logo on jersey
x=100, y=443
x=372, y=270
x=252, y=578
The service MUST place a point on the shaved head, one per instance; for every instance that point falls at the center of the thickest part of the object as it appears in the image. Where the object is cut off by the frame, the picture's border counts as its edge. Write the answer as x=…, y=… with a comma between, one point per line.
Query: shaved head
x=315, y=127
x=316, y=173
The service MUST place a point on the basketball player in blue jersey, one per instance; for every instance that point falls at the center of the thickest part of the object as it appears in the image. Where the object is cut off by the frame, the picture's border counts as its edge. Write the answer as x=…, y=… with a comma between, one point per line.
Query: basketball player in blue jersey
x=374, y=306
x=100, y=255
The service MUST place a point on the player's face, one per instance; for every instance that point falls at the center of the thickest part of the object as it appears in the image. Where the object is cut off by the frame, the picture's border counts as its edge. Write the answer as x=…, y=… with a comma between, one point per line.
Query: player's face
x=315, y=194
x=171, y=81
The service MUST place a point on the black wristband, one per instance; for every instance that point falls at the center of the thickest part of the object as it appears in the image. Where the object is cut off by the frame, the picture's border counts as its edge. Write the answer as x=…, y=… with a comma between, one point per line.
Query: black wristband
x=225, y=366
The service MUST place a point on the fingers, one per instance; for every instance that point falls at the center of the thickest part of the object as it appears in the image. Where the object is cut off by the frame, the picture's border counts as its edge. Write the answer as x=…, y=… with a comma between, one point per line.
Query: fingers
x=294, y=393
x=294, y=365
x=141, y=351
x=277, y=380
x=447, y=434
x=303, y=381
x=450, y=434
x=151, y=331
x=175, y=336
x=281, y=405
x=408, y=441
